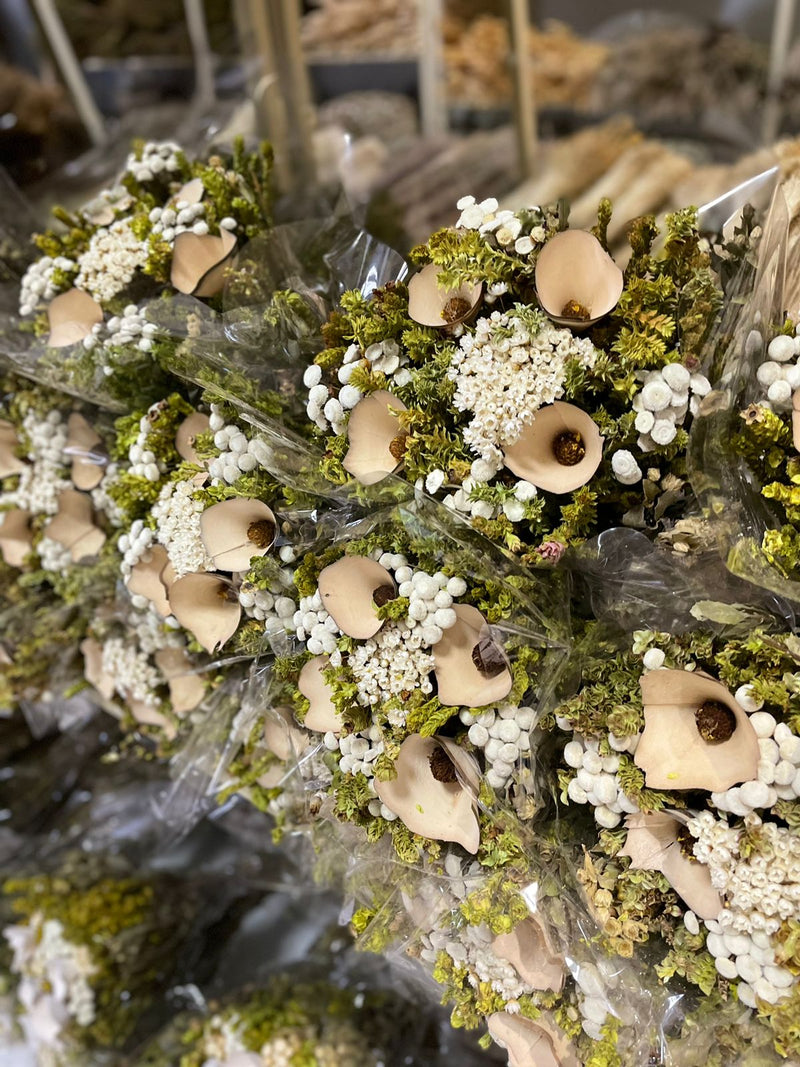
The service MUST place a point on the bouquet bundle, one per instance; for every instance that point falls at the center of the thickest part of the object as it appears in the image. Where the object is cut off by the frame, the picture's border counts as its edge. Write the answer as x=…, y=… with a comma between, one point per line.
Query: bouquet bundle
x=308, y=537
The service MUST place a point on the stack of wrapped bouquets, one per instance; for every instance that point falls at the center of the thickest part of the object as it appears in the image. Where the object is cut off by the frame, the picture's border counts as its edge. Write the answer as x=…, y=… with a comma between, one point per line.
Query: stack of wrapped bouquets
x=414, y=564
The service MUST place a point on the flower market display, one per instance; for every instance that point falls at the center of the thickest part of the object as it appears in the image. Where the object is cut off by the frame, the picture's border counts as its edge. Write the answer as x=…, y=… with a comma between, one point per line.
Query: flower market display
x=422, y=566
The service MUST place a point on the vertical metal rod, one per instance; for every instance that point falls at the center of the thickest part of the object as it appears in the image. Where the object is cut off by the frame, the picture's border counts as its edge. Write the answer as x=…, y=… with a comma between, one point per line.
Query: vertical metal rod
x=297, y=91
x=204, y=94
x=53, y=29
x=524, y=99
x=432, y=88
x=779, y=49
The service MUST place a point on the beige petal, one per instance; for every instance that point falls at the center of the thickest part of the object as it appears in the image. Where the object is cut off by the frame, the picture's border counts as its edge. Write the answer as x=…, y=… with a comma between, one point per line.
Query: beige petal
x=528, y=950
x=322, y=716
x=71, y=317
x=73, y=526
x=672, y=752
x=432, y=305
x=652, y=845
x=371, y=430
x=149, y=715
x=347, y=588
x=281, y=735
x=84, y=446
x=533, y=455
x=192, y=192
x=529, y=1043
x=15, y=536
x=168, y=576
x=199, y=262
x=187, y=433
x=186, y=688
x=145, y=579
x=207, y=607
x=93, y=672
x=458, y=678
x=272, y=777
x=236, y=530
x=441, y=811
x=573, y=267
x=10, y=462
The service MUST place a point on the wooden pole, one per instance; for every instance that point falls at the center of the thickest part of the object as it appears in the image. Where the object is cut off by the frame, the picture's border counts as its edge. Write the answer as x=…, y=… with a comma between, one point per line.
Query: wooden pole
x=204, y=92
x=432, y=88
x=71, y=72
x=524, y=99
x=782, y=25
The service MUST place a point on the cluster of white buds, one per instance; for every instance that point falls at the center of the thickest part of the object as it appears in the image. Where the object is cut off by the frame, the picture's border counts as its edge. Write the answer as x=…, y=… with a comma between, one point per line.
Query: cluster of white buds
x=779, y=374
x=666, y=397
x=504, y=735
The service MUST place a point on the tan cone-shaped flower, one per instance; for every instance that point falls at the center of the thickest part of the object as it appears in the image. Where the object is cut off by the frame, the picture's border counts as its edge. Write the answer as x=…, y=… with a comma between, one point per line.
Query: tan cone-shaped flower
x=16, y=540
x=652, y=845
x=74, y=527
x=282, y=736
x=192, y=192
x=84, y=446
x=674, y=754
x=577, y=281
x=527, y=948
x=71, y=317
x=207, y=606
x=236, y=530
x=435, y=791
x=559, y=451
x=10, y=462
x=322, y=716
x=431, y=304
x=199, y=262
x=93, y=671
x=376, y=438
x=349, y=588
x=148, y=715
x=796, y=419
x=186, y=689
x=187, y=433
x=145, y=579
x=470, y=668
x=531, y=1044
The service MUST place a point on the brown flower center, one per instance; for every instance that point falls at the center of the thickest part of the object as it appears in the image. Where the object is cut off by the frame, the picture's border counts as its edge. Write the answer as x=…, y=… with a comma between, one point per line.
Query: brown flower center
x=397, y=446
x=686, y=842
x=441, y=766
x=383, y=594
x=261, y=533
x=456, y=309
x=573, y=310
x=568, y=448
x=227, y=592
x=715, y=722
x=488, y=658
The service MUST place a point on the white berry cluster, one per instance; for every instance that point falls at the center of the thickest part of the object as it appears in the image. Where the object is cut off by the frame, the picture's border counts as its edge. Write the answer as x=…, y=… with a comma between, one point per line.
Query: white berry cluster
x=359, y=751
x=131, y=326
x=506, y=370
x=37, y=285
x=152, y=632
x=760, y=892
x=666, y=397
x=169, y=222
x=391, y=663
x=596, y=782
x=778, y=775
x=135, y=678
x=43, y=479
x=177, y=517
x=55, y=973
x=513, y=506
x=273, y=608
x=430, y=596
x=108, y=265
x=504, y=735
x=506, y=226
x=134, y=544
x=386, y=357
x=779, y=374
x=237, y=455
x=143, y=461
x=315, y=626
x=592, y=983
x=156, y=158
x=53, y=556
